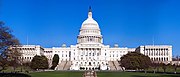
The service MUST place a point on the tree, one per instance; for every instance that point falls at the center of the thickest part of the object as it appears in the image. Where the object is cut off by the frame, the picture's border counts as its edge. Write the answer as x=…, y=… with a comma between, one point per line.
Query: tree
x=8, y=44
x=13, y=56
x=35, y=62
x=155, y=66
x=164, y=67
x=135, y=61
x=26, y=66
x=55, y=61
x=44, y=62
x=3, y=63
x=175, y=66
x=39, y=62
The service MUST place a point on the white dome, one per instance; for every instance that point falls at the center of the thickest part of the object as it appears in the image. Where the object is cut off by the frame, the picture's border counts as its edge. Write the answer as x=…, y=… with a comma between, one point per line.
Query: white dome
x=90, y=32
x=90, y=23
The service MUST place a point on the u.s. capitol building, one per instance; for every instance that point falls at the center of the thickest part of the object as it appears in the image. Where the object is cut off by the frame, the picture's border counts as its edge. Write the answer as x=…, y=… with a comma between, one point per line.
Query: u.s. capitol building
x=90, y=53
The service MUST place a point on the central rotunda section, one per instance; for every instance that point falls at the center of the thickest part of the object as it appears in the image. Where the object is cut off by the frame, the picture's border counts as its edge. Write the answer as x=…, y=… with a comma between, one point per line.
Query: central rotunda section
x=90, y=53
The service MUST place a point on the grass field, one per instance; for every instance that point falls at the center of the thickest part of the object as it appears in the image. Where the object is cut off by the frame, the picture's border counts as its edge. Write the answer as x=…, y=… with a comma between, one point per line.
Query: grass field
x=100, y=74
x=57, y=74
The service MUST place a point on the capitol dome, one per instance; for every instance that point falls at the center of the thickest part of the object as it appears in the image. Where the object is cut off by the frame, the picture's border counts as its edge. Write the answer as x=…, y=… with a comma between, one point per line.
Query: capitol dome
x=90, y=31
x=90, y=23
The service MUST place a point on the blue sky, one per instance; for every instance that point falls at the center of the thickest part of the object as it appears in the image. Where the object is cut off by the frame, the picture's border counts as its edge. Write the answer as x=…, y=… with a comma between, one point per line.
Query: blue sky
x=126, y=22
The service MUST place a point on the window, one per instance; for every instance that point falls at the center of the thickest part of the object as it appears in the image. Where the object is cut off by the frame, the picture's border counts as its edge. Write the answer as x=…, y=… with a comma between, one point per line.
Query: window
x=90, y=39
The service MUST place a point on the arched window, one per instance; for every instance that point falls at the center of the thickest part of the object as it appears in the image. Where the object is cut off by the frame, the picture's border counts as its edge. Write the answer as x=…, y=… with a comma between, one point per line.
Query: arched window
x=90, y=63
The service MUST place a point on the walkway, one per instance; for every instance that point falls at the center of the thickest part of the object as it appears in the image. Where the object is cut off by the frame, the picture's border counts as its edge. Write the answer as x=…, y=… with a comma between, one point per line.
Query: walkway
x=89, y=74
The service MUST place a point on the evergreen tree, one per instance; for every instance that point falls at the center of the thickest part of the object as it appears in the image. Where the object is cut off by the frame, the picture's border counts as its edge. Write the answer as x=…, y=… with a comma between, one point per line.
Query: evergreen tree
x=35, y=62
x=55, y=61
x=135, y=61
x=44, y=62
x=39, y=62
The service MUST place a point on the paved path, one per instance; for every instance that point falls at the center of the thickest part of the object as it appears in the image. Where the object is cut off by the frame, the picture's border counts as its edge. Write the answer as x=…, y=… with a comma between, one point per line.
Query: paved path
x=89, y=74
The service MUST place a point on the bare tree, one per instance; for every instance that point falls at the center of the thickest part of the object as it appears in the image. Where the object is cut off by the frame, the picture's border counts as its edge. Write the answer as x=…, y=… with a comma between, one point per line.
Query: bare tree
x=8, y=46
x=175, y=65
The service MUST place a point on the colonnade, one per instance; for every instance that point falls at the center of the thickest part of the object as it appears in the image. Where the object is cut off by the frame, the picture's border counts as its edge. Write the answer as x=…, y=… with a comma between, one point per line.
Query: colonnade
x=85, y=39
x=159, y=58
x=89, y=58
x=89, y=52
x=157, y=52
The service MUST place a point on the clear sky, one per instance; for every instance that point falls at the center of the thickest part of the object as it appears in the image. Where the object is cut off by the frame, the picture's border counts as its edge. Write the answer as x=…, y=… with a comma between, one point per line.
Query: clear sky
x=126, y=22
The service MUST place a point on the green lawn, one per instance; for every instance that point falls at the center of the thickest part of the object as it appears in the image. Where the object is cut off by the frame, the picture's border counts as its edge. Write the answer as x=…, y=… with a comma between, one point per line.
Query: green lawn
x=100, y=74
x=133, y=74
x=57, y=74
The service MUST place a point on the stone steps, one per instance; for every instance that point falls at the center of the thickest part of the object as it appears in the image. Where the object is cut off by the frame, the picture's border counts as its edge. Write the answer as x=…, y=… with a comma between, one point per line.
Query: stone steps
x=61, y=65
x=68, y=65
x=111, y=65
x=117, y=65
